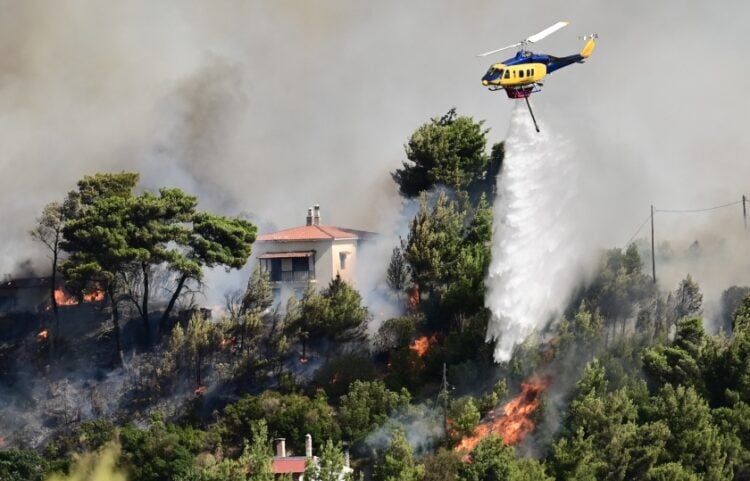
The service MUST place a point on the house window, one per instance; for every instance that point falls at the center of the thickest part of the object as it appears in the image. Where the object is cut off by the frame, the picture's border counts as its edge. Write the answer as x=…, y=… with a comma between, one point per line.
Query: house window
x=300, y=264
x=275, y=269
x=289, y=266
x=342, y=259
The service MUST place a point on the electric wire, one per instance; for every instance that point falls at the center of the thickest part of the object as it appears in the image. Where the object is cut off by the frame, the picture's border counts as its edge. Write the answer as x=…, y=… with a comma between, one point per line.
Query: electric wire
x=690, y=211
x=638, y=230
x=684, y=211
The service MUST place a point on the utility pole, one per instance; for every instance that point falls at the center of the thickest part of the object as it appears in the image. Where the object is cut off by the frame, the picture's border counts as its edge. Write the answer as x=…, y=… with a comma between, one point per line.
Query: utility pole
x=653, y=253
x=744, y=211
x=444, y=395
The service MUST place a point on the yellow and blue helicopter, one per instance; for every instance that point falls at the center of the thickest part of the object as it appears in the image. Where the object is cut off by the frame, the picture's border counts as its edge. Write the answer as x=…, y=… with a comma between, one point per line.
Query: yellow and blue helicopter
x=522, y=75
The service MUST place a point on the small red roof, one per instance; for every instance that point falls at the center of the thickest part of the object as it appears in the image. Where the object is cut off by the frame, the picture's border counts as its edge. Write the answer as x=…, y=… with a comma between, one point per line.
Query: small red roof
x=290, y=464
x=314, y=232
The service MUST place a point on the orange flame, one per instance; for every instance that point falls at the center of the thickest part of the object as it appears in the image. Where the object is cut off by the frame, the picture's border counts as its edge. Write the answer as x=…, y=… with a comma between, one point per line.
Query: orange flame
x=42, y=336
x=515, y=423
x=2, y=441
x=200, y=390
x=64, y=299
x=96, y=296
x=423, y=344
x=414, y=298
x=303, y=359
x=226, y=342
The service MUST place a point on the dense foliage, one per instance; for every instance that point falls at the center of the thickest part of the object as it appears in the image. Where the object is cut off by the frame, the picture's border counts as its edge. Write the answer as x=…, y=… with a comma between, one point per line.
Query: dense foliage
x=638, y=390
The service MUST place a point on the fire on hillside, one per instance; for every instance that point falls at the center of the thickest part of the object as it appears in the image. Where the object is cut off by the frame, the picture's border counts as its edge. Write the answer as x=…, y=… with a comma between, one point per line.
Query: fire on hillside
x=423, y=344
x=63, y=298
x=516, y=421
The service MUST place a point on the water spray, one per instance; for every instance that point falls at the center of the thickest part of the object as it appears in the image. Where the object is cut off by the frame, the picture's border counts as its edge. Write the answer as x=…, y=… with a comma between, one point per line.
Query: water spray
x=534, y=250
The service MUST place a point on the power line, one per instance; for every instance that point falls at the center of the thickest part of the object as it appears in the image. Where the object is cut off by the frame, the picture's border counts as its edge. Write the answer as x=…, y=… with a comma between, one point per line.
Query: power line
x=650, y=217
x=690, y=211
x=645, y=221
x=687, y=211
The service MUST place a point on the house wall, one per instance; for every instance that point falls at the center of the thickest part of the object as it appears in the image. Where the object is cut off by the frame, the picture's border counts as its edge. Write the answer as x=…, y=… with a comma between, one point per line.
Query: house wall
x=349, y=248
x=323, y=256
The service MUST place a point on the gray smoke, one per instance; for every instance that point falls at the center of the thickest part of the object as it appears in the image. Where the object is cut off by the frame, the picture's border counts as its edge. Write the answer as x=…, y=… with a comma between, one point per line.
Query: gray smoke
x=263, y=108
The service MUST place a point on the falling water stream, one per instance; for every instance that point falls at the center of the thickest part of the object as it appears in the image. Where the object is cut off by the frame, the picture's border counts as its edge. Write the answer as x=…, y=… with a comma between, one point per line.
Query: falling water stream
x=534, y=247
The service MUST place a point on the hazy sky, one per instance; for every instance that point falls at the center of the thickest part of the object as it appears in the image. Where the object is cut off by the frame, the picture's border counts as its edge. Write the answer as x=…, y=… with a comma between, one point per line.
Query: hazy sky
x=265, y=108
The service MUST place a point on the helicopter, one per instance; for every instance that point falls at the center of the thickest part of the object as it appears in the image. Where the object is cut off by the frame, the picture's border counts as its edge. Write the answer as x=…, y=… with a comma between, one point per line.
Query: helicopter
x=522, y=75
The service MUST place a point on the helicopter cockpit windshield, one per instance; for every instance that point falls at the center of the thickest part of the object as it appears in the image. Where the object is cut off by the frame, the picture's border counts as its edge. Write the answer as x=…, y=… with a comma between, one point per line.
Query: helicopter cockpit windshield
x=493, y=74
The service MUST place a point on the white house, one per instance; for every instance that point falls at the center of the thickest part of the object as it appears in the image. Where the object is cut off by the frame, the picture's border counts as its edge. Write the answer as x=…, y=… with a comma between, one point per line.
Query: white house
x=294, y=466
x=313, y=252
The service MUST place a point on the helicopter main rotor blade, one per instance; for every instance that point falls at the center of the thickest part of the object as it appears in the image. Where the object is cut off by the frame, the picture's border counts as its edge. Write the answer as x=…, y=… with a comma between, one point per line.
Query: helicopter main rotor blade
x=546, y=32
x=498, y=50
x=533, y=39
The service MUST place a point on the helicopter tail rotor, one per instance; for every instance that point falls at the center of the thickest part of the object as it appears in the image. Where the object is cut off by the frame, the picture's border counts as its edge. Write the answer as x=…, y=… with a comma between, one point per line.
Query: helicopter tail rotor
x=588, y=49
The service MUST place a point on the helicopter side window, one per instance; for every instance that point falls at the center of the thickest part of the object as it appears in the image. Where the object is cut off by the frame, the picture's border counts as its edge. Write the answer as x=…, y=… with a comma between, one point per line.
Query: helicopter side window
x=499, y=73
x=520, y=74
x=507, y=74
x=529, y=72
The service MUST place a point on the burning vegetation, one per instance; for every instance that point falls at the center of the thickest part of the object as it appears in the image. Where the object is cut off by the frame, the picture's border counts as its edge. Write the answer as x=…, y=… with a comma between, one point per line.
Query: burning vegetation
x=516, y=421
x=423, y=344
x=63, y=298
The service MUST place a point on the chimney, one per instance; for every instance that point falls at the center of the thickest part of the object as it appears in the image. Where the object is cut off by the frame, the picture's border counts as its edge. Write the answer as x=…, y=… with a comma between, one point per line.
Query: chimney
x=346, y=455
x=309, y=216
x=281, y=447
x=308, y=446
x=316, y=215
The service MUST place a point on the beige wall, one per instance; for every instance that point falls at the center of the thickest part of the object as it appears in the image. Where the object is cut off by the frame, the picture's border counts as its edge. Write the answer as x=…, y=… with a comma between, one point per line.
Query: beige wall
x=327, y=257
x=349, y=249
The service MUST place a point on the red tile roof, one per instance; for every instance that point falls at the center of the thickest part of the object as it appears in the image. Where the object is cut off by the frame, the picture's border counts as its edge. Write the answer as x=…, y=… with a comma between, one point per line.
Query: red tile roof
x=314, y=232
x=290, y=464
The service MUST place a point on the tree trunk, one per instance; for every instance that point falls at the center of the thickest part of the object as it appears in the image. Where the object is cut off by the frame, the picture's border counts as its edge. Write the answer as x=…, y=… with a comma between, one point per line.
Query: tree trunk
x=116, y=324
x=243, y=322
x=55, y=308
x=198, y=371
x=172, y=301
x=144, y=308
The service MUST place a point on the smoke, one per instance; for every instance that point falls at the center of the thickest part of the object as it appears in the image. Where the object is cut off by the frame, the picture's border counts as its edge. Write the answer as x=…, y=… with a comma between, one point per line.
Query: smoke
x=99, y=466
x=263, y=108
x=534, y=258
x=422, y=424
x=383, y=303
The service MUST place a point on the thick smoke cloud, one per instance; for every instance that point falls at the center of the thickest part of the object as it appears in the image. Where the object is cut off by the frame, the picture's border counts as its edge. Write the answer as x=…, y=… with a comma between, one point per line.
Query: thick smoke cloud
x=264, y=108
